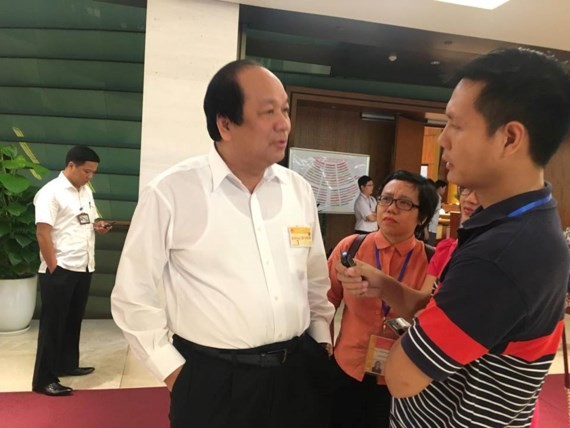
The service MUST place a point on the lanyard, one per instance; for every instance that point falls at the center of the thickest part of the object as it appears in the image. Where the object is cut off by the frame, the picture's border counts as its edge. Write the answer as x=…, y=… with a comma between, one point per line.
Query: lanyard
x=515, y=213
x=385, y=307
x=530, y=206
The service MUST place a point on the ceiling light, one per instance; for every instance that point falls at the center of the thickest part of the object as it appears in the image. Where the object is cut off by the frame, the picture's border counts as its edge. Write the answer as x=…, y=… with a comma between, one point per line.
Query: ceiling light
x=392, y=57
x=435, y=62
x=481, y=4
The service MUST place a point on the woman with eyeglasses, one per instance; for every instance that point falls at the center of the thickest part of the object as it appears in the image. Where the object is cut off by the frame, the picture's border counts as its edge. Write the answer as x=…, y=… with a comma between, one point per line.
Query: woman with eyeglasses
x=406, y=204
x=468, y=203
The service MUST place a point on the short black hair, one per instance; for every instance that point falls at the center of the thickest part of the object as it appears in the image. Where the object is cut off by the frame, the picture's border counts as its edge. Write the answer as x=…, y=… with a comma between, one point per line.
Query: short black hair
x=440, y=183
x=526, y=86
x=363, y=181
x=224, y=96
x=81, y=154
x=428, y=197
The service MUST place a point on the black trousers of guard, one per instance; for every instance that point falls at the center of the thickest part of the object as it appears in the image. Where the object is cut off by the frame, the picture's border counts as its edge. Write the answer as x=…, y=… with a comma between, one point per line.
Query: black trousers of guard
x=215, y=393
x=359, y=404
x=64, y=296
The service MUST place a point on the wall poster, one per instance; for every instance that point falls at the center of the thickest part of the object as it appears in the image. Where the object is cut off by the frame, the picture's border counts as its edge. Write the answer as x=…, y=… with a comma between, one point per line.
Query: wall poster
x=332, y=175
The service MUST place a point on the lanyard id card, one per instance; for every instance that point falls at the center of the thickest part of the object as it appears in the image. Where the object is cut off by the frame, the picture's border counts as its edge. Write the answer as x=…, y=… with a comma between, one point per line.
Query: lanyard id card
x=377, y=354
x=83, y=218
x=379, y=346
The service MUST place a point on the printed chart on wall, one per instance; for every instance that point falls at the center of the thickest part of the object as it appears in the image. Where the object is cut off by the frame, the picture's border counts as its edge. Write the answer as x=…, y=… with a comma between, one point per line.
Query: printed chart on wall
x=332, y=175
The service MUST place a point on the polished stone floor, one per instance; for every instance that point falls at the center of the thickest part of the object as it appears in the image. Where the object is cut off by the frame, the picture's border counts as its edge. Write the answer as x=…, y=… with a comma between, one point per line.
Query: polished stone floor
x=102, y=346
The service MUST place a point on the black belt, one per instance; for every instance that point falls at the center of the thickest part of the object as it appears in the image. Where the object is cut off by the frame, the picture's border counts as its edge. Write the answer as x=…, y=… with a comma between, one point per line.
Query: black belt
x=272, y=355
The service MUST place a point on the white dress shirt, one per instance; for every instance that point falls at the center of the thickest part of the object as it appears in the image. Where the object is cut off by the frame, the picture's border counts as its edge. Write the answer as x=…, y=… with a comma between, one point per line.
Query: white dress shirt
x=364, y=206
x=433, y=223
x=59, y=204
x=213, y=263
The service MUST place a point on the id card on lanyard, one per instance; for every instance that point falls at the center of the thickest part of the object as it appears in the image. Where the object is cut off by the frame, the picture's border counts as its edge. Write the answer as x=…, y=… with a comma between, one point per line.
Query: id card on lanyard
x=379, y=346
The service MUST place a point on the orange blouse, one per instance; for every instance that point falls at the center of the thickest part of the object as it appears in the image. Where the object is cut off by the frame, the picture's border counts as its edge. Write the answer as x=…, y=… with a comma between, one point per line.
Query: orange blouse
x=362, y=317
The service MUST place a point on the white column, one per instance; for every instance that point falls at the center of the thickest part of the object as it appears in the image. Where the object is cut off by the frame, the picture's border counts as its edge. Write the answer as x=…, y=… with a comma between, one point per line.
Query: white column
x=187, y=41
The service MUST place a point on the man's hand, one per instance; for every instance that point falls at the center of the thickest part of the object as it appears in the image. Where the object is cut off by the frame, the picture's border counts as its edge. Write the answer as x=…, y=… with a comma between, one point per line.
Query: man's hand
x=102, y=227
x=171, y=378
x=362, y=280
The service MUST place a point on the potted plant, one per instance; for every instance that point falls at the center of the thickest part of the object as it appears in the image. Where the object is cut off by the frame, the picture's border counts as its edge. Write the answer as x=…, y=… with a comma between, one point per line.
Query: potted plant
x=19, y=252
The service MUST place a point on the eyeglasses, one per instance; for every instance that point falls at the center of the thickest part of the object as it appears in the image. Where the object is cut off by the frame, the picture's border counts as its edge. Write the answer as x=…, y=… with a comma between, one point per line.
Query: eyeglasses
x=464, y=191
x=401, y=204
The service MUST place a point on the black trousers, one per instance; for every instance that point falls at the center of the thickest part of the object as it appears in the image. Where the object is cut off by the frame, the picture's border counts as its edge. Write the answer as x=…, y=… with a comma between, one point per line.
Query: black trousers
x=64, y=296
x=214, y=393
x=359, y=404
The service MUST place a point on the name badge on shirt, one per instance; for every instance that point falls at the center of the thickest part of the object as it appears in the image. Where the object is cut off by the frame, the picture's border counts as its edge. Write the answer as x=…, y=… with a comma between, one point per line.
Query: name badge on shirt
x=377, y=354
x=300, y=236
x=83, y=218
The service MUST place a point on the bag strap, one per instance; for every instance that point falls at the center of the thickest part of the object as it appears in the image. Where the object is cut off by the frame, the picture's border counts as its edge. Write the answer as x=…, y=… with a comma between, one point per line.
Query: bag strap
x=356, y=245
x=429, y=250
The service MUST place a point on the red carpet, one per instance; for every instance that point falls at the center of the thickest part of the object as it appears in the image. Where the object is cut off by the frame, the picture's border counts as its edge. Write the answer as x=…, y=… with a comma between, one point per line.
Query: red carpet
x=148, y=408
x=102, y=408
x=553, y=403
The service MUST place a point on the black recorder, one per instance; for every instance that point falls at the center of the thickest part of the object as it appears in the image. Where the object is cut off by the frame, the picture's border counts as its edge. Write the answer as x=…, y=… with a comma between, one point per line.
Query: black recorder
x=346, y=260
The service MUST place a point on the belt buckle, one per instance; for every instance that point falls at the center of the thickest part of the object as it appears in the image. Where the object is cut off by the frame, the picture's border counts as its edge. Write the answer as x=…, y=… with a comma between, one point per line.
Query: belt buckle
x=284, y=351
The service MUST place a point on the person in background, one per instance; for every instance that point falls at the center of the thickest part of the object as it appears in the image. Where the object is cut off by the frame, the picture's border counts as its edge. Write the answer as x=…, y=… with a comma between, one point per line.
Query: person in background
x=225, y=255
x=66, y=222
x=406, y=203
x=365, y=207
x=485, y=336
x=440, y=187
x=468, y=203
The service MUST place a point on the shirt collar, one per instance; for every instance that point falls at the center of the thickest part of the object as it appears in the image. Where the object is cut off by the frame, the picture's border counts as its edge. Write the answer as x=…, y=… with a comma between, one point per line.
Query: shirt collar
x=221, y=171
x=65, y=181
x=501, y=210
x=402, y=248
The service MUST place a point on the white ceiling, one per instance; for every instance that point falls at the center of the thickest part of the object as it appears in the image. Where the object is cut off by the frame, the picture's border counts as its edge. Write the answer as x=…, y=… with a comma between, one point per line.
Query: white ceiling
x=544, y=23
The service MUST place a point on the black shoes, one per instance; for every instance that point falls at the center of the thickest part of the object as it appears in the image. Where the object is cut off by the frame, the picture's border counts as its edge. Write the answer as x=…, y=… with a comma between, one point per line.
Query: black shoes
x=78, y=371
x=54, y=389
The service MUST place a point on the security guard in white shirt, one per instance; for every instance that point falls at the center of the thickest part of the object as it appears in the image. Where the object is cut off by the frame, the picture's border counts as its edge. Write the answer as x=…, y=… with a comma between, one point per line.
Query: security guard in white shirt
x=365, y=207
x=225, y=253
x=66, y=222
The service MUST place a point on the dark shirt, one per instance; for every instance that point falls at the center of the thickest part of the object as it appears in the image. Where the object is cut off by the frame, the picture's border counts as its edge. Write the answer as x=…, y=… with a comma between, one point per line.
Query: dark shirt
x=489, y=334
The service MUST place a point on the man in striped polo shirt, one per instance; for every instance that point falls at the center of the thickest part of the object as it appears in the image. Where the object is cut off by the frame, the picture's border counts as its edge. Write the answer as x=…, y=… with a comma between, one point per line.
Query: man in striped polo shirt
x=477, y=355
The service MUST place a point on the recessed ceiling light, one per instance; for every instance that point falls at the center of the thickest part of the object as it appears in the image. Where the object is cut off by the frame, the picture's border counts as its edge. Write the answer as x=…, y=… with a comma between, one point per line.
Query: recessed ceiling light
x=392, y=57
x=482, y=4
x=435, y=62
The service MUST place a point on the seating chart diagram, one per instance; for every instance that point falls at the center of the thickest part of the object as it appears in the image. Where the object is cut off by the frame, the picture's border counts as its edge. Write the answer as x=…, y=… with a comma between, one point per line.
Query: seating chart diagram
x=332, y=175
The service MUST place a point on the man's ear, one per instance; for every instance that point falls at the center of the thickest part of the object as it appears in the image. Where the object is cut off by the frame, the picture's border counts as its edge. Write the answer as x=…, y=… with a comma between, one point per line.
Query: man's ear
x=223, y=124
x=515, y=138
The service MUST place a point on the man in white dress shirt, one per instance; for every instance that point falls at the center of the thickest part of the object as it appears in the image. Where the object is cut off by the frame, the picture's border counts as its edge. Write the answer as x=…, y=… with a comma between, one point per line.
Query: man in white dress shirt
x=440, y=187
x=225, y=254
x=66, y=222
x=365, y=207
